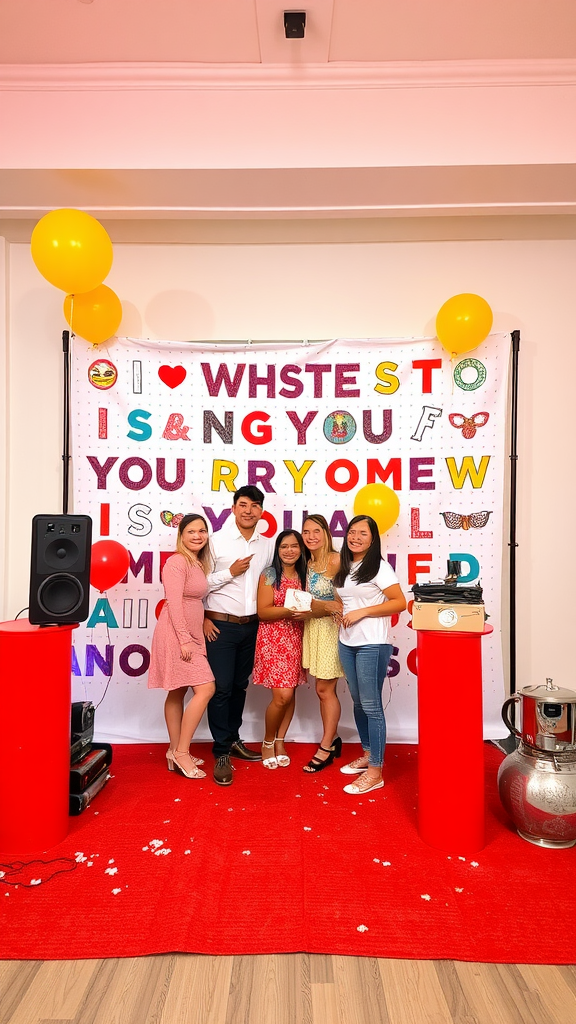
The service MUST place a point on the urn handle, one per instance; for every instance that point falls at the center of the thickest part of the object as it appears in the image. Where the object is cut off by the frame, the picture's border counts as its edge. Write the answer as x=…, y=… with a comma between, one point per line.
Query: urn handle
x=505, y=709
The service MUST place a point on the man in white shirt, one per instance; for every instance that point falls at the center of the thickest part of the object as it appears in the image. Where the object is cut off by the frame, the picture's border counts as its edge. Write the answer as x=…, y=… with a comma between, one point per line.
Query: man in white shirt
x=231, y=624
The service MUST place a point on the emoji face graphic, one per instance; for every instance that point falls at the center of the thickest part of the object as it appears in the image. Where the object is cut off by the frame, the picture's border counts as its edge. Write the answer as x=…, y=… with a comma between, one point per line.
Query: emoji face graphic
x=339, y=427
x=102, y=374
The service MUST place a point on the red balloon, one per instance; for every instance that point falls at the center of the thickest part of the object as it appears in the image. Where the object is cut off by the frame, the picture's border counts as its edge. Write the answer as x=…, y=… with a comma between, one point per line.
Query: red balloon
x=110, y=562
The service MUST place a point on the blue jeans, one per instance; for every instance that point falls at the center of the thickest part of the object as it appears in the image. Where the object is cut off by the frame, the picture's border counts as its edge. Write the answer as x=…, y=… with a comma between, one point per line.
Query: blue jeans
x=365, y=670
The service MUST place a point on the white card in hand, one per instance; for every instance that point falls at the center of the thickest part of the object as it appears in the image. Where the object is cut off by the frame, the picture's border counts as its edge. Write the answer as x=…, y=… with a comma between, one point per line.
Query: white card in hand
x=301, y=600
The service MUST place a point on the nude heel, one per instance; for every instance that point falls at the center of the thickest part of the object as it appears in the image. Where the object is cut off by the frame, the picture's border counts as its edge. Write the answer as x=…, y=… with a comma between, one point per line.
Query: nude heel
x=196, y=772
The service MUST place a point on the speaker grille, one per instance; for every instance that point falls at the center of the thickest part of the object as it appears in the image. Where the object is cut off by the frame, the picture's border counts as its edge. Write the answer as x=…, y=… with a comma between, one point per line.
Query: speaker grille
x=61, y=553
x=60, y=594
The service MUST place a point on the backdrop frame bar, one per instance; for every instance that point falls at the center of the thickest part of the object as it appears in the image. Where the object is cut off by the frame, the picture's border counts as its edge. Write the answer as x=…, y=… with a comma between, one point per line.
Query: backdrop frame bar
x=512, y=543
x=66, y=457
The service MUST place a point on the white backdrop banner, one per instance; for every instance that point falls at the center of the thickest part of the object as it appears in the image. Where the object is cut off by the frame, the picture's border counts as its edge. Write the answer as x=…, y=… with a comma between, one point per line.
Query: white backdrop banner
x=161, y=429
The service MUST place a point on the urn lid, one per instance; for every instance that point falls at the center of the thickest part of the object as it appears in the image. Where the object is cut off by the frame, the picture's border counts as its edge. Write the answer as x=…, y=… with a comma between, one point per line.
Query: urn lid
x=550, y=693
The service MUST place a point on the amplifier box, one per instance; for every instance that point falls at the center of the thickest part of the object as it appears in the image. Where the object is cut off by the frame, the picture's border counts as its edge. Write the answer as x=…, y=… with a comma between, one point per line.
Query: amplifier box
x=85, y=771
x=81, y=717
x=78, y=802
x=454, y=618
x=80, y=745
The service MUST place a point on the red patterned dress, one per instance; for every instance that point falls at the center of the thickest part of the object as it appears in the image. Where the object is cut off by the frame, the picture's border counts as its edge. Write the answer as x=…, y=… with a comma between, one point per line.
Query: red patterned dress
x=278, y=659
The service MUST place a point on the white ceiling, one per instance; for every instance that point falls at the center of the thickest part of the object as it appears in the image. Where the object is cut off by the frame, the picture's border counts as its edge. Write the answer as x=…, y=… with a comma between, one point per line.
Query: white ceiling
x=251, y=31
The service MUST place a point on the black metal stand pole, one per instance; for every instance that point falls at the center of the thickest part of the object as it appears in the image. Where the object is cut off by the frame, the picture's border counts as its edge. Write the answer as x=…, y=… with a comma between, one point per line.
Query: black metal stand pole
x=510, y=742
x=513, y=502
x=66, y=424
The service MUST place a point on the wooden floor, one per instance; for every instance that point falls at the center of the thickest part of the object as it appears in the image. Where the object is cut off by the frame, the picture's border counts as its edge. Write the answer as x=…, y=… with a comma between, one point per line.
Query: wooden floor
x=283, y=989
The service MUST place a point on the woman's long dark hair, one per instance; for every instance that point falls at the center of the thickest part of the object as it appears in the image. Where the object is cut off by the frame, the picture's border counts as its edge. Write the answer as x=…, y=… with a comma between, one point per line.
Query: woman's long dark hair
x=300, y=565
x=369, y=567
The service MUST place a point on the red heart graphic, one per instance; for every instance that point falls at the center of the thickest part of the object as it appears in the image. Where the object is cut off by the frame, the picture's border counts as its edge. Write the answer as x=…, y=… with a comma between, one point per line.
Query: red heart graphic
x=172, y=519
x=172, y=376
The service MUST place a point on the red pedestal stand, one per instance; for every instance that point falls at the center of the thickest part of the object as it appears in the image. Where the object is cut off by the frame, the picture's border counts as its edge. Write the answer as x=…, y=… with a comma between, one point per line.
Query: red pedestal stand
x=450, y=740
x=35, y=675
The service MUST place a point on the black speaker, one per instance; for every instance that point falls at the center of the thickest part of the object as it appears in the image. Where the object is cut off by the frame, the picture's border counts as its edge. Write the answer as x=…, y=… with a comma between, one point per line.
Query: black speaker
x=82, y=717
x=60, y=569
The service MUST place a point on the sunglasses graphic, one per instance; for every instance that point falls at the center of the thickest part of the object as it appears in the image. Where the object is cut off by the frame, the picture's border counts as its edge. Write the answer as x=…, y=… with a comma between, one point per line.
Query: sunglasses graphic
x=468, y=424
x=475, y=521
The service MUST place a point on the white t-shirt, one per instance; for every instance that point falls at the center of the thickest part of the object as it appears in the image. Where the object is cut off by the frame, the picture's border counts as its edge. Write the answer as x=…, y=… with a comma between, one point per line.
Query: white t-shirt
x=364, y=595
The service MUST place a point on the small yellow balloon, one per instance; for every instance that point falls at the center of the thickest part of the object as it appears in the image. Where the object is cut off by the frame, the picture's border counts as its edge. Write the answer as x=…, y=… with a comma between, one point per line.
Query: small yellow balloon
x=94, y=315
x=71, y=250
x=463, y=322
x=380, y=502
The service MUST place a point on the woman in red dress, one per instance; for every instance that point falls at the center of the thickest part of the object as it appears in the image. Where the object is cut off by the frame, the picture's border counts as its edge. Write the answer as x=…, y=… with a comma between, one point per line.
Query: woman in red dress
x=278, y=659
x=178, y=657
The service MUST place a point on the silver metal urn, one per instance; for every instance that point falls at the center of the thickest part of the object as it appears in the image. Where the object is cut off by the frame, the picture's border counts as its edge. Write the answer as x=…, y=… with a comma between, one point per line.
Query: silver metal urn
x=537, y=782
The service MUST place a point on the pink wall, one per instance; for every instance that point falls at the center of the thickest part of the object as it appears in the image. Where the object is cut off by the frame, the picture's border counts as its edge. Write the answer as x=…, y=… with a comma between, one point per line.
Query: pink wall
x=279, y=127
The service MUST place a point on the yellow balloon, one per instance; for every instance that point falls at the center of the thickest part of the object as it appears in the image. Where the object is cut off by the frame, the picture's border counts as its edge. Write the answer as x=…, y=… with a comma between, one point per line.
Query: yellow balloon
x=463, y=322
x=71, y=250
x=94, y=315
x=380, y=502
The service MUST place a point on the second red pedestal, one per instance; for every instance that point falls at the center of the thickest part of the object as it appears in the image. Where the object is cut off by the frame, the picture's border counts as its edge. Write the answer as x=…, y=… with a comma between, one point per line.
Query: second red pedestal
x=450, y=741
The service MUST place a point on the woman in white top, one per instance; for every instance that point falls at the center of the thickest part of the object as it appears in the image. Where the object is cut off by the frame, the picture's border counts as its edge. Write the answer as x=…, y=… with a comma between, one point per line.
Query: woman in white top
x=369, y=590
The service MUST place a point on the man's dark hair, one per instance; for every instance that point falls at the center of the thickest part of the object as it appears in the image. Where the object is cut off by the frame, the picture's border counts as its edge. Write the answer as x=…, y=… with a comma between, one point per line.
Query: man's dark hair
x=253, y=493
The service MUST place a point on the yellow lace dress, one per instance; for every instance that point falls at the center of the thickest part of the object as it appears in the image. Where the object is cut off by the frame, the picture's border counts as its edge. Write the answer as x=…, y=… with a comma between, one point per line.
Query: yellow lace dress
x=320, y=647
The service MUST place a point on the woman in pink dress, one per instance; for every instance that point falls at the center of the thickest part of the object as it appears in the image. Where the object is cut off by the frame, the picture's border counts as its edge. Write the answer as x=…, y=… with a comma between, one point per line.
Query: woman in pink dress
x=178, y=658
x=278, y=659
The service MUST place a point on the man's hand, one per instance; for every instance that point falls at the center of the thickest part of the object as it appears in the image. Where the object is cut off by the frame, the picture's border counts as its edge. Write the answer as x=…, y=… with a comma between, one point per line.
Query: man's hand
x=240, y=566
x=211, y=630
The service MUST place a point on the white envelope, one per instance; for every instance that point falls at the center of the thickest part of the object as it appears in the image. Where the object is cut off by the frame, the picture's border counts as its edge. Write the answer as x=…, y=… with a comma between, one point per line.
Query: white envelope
x=301, y=600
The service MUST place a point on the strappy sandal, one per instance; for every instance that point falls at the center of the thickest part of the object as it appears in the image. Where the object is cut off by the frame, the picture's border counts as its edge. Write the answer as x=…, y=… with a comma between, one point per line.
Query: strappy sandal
x=269, y=762
x=196, y=772
x=170, y=760
x=283, y=759
x=317, y=764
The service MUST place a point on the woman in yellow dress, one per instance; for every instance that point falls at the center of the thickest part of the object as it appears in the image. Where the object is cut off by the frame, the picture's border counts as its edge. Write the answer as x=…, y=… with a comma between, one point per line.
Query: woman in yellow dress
x=320, y=648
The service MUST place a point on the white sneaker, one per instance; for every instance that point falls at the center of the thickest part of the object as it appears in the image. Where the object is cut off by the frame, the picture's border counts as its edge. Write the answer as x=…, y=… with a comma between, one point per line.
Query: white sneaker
x=363, y=785
x=355, y=767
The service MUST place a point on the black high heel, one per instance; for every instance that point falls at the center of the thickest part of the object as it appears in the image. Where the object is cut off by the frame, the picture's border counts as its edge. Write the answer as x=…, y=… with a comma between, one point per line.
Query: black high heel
x=317, y=764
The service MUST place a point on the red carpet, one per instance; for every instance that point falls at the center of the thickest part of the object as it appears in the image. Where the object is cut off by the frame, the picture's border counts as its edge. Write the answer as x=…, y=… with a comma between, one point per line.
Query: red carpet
x=282, y=862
